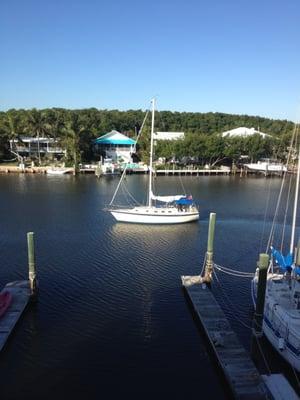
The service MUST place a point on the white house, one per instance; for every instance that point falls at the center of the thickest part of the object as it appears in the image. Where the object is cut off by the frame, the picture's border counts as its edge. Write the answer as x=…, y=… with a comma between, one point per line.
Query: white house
x=31, y=146
x=168, y=135
x=116, y=146
x=242, y=131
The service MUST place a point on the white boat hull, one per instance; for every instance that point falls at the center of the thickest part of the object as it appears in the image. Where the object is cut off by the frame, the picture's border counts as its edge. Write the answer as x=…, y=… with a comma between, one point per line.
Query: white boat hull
x=281, y=325
x=152, y=215
x=263, y=167
x=58, y=171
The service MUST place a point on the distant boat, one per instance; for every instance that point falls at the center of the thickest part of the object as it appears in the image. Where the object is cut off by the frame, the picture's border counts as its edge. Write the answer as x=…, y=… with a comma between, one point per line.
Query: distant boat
x=58, y=171
x=267, y=165
x=177, y=209
x=135, y=167
x=108, y=167
x=5, y=300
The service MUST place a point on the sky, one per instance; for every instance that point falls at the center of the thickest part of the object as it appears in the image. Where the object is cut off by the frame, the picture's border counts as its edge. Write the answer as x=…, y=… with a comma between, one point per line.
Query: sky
x=231, y=56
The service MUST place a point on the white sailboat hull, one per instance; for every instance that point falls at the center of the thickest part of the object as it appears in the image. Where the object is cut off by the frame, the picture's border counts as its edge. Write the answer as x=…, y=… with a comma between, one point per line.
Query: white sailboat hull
x=281, y=321
x=287, y=353
x=153, y=215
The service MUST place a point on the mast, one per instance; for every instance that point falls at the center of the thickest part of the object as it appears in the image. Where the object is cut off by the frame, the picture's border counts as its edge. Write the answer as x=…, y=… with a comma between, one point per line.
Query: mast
x=295, y=206
x=151, y=154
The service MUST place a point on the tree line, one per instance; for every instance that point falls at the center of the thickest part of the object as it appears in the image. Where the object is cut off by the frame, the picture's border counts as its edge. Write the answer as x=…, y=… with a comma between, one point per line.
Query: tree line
x=76, y=129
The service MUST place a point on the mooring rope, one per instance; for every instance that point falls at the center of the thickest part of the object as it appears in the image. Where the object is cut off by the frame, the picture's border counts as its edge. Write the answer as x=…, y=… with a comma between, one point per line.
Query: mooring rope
x=234, y=272
x=231, y=305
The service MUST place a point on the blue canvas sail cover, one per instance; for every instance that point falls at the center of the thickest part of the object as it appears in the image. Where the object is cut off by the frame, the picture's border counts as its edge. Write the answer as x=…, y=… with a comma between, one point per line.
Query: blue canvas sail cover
x=185, y=201
x=285, y=262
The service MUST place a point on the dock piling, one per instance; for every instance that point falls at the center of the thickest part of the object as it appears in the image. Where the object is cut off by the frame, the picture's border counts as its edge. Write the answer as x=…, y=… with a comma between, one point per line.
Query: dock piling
x=31, y=264
x=263, y=264
x=210, y=248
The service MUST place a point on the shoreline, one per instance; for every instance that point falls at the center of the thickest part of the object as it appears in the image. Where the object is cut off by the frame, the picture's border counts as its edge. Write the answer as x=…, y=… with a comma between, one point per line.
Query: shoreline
x=6, y=169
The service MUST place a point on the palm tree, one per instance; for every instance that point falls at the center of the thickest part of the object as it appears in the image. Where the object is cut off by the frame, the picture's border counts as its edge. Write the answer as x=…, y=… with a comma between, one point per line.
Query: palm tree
x=38, y=126
x=10, y=129
x=72, y=132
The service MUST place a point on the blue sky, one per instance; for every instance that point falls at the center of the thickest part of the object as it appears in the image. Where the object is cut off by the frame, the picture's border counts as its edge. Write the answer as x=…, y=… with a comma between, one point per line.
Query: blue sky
x=232, y=56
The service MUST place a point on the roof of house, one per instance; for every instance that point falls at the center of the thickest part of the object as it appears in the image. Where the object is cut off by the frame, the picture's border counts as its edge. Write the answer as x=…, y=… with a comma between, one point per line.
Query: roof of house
x=168, y=135
x=242, y=131
x=114, y=137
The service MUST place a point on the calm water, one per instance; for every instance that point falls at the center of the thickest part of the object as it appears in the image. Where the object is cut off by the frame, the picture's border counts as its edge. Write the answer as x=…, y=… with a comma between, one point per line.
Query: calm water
x=111, y=319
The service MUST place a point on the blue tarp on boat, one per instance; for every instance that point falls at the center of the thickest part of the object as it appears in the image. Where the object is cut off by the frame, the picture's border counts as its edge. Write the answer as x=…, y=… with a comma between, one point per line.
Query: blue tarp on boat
x=285, y=262
x=184, y=201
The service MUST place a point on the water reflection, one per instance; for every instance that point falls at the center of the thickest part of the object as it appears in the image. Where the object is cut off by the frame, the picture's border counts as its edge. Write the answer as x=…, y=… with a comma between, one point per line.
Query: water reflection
x=110, y=297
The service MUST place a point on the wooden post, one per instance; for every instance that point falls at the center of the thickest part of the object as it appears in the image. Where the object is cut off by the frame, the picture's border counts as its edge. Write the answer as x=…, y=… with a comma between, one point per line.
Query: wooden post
x=31, y=264
x=210, y=248
x=263, y=265
x=98, y=171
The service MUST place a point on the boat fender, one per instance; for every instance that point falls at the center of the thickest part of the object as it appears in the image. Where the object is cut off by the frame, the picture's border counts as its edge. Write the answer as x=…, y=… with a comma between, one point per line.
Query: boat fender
x=281, y=344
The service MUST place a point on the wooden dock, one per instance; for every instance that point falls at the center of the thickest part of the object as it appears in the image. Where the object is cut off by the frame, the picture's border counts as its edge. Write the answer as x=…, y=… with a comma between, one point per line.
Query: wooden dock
x=240, y=372
x=191, y=172
x=20, y=291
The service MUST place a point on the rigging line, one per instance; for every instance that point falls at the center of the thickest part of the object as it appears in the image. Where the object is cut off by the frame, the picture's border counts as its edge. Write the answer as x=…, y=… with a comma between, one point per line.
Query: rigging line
x=203, y=265
x=124, y=171
x=296, y=376
x=231, y=304
x=275, y=214
x=130, y=195
x=263, y=355
x=292, y=142
x=295, y=206
x=125, y=194
x=285, y=214
x=182, y=186
x=141, y=128
x=265, y=218
x=118, y=186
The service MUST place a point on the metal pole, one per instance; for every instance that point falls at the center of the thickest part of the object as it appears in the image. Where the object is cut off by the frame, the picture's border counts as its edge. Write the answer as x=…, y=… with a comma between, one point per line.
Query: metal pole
x=151, y=154
x=295, y=206
x=297, y=255
x=31, y=263
x=210, y=248
x=263, y=264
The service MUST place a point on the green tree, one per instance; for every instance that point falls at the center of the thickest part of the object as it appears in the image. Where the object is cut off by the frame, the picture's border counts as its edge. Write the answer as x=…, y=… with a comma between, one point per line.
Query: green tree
x=72, y=132
x=38, y=126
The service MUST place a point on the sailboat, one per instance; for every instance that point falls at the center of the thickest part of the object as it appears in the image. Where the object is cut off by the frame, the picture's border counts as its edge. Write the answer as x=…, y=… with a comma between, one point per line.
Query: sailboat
x=175, y=209
x=281, y=317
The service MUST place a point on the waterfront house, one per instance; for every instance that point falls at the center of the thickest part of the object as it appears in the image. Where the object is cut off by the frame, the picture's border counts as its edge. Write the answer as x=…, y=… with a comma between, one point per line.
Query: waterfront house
x=116, y=146
x=29, y=147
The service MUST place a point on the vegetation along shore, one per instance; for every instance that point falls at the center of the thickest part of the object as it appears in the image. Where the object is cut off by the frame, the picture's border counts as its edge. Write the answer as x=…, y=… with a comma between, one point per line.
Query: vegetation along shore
x=203, y=142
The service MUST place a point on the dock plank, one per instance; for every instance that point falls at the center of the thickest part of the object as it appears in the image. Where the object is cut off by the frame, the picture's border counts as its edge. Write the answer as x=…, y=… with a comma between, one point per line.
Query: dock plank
x=239, y=370
x=20, y=291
